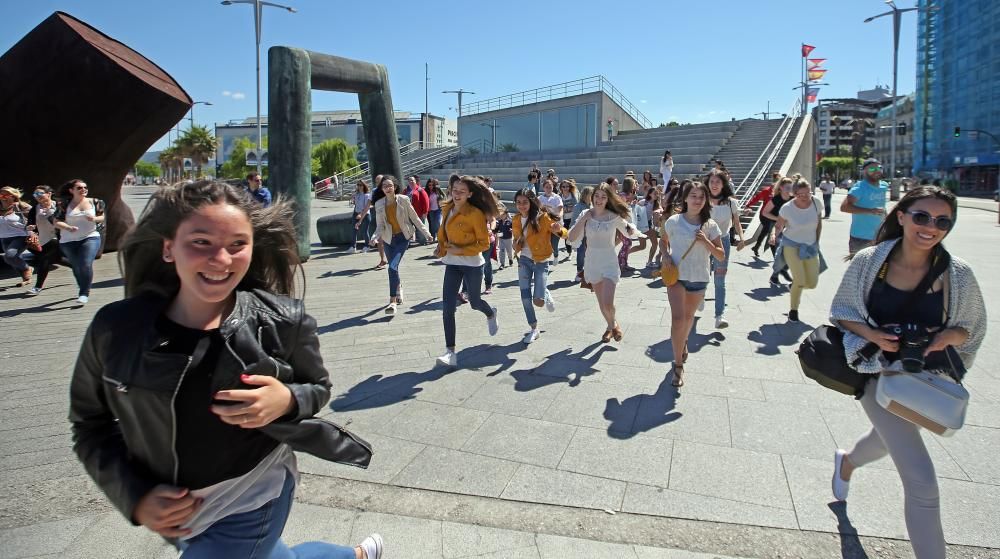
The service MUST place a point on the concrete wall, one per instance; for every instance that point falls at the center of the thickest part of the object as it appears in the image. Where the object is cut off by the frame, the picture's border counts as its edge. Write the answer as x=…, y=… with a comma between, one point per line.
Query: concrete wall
x=623, y=121
x=536, y=107
x=802, y=155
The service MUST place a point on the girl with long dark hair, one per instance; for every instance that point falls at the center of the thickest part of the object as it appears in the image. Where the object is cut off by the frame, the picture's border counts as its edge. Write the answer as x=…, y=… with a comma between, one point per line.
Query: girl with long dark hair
x=81, y=220
x=396, y=225
x=362, y=201
x=876, y=291
x=532, y=229
x=463, y=237
x=435, y=197
x=600, y=226
x=666, y=167
x=567, y=191
x=672, y=201
x=725, y=213
x=689, y=239
x=191, y=394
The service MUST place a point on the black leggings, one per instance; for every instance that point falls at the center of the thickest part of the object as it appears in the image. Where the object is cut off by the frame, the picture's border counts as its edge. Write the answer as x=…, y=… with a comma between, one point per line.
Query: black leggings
x=43, y=260
x=765, y=232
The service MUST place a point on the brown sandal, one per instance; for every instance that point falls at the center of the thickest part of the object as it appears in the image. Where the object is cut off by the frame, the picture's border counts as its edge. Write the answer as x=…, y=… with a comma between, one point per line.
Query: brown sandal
x=684, y=358
x=617, y=332
x=607, y=336
x=678, y=376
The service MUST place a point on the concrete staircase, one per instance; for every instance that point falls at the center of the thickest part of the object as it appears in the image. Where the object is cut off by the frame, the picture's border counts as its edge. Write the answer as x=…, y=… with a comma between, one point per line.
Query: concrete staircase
x=639, y=150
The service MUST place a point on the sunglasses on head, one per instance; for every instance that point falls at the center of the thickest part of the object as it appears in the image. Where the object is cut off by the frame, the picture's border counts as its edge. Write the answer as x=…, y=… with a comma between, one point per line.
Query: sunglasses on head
x=942, y=222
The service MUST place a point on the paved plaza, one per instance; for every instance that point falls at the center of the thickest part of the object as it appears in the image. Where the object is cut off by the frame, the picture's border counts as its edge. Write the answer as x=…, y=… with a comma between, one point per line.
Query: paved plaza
x=564, y=448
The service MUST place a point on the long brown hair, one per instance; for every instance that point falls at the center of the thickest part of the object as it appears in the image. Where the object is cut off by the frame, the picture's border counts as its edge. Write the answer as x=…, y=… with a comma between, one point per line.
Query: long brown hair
x=480, y=196
x=706, y=211
x=275, y=258
x=891, y=228
x=534, y=208
x=615, y=203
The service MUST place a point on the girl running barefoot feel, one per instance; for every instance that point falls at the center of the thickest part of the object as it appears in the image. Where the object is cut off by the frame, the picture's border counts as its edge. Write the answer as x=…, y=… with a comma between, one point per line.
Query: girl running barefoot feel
x=463, y=237
x=396, y=225
x=689, y=239
x=599, y=226
x=189, y=396
x=532, y=229
x=725, y=213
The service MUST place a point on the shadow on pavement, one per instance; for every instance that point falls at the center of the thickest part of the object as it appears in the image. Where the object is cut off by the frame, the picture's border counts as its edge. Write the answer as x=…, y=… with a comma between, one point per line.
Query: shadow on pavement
x=765, y=293
x=562, y=366
x=46, y=307
x=355, y=321
x=344, y=273
x=642, y=412
x=663, y=352
x=850, y=544
x=772, y=336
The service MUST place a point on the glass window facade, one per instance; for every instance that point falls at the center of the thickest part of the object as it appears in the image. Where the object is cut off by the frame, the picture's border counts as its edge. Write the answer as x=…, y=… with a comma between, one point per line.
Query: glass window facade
x=562, y=128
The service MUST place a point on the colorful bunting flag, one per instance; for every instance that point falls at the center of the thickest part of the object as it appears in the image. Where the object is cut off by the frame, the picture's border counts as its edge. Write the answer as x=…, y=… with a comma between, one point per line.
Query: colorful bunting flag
x=806, y=49
x=811, y=94
x=816, y=74
x=815, y=62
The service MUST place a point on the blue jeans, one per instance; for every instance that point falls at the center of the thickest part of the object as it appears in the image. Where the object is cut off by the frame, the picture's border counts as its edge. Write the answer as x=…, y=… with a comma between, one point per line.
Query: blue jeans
x=453, y=277
x=256, y=534
x=532, y=278
x=555, y=246
x=12, y=249
x=434, y=222
x=720, y=281
x=80, y=255
x=362, y=230
x=693, y=286
x=487, y=269
x=394, y=254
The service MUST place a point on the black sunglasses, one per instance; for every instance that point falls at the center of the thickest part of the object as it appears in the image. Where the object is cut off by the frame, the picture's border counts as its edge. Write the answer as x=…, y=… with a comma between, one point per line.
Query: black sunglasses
x=942, y=222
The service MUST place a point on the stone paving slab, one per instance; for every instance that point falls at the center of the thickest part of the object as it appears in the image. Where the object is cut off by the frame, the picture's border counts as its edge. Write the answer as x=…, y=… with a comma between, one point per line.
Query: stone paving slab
x=588, y=405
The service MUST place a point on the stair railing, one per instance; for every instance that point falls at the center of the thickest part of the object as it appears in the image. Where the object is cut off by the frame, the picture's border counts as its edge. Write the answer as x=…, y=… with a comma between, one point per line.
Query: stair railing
x=757, y=174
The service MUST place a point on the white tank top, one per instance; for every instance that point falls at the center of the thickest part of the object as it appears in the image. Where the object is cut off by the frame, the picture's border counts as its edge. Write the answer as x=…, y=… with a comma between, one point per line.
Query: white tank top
x=78, y=218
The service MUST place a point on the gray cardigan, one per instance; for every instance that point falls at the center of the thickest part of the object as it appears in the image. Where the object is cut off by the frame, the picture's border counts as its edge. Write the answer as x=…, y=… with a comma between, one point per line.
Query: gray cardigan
x=964, y=303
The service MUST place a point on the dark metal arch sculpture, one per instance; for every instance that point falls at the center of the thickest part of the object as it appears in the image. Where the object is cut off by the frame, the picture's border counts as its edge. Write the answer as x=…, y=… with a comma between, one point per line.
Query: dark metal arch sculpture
x=292, y=75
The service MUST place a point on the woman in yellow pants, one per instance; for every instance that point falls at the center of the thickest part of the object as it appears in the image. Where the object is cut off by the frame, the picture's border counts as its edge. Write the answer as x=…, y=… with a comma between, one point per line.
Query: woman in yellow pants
x=799, y=227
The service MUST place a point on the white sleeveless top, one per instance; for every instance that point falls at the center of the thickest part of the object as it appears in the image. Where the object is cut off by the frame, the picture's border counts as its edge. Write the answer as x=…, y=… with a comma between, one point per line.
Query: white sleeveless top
x=78, y=218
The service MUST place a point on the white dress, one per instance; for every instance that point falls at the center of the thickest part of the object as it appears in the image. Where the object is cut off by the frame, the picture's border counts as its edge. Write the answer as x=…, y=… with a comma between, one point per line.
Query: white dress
x=601, y=259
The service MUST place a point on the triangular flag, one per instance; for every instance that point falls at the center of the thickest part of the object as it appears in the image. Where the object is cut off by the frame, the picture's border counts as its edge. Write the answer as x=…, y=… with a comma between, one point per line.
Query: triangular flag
x=811, y=94
x=806, y=49
x=815, y=62
x=816, y=74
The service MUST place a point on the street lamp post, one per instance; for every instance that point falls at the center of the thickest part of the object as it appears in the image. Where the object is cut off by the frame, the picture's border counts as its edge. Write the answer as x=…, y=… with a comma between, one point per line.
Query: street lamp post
x=191, y=117
x=258, y=14
x=896, y=14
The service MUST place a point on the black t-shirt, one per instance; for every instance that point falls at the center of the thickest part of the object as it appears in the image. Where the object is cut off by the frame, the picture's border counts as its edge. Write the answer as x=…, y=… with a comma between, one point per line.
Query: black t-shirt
x=778, y=202
x=209, y=451
x=885, y=307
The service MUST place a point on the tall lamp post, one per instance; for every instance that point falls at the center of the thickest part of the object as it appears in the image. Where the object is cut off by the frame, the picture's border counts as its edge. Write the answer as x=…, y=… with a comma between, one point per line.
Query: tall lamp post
x=191, y=117
x=896, y=14
x=258, y=7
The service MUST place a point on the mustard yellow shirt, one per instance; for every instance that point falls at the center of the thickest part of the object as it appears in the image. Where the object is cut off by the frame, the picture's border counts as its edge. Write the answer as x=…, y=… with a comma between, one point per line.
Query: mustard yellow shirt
x=390, y=214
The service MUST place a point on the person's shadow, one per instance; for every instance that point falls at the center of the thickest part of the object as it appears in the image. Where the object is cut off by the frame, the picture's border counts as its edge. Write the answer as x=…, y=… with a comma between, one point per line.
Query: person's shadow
x=772, y=337
x=765, y=294
x=663, y=352
x=343, y=273
x=353, y=321
x=562, y=366
x=389, y=389
x=850, y=544
x=642, y=412
x=428, y=305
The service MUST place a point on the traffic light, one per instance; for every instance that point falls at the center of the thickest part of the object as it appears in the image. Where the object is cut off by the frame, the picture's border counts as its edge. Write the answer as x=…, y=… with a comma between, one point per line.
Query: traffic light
x=958, y=131
x=901, y=129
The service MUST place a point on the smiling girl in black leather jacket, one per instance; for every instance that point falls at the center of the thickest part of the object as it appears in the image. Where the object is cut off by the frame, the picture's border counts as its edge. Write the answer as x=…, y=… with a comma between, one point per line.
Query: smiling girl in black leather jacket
x=189, y=396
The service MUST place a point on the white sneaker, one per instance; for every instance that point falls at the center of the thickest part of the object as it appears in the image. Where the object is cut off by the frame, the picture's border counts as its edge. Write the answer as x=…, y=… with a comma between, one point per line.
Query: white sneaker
x=492, y=323
x=33, y=291
x=531, y=336
x=550, y=303
x=449, y=359
x=701, y=307
x=840, y=487
x=354, y=250
x=365, y=249
x=372, y=546
x=399, y=295
x=721, y=323
x=391, y=309
x=82, y=299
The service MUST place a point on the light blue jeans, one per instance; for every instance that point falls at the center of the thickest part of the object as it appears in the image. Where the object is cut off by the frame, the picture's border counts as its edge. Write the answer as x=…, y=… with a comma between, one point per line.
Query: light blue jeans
x=80, y=255
x=532, y=278
x=257, y=535
x=720, y=280
x=394, y=251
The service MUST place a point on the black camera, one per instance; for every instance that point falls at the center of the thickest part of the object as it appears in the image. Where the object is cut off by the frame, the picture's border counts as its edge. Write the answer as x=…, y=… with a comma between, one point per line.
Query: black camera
x=913, y=341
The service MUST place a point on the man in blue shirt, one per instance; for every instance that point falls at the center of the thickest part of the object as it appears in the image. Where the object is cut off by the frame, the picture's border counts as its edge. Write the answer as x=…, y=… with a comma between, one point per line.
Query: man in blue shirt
x=866, y=202
x=259, y=192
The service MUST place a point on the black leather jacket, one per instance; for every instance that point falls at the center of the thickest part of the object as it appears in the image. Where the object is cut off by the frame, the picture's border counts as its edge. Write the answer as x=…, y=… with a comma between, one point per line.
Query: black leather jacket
x=122, y=392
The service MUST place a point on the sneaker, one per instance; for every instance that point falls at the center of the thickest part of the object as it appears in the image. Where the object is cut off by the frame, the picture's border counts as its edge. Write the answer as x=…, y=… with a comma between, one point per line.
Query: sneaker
x=787, y=276
x=840, y=487
x=650, y=264
x=365, y=249
x=399, y=296
x=353, y=250
x=510, y=262
x=721, y=323
x=488, y=291
x=550, y=303
x=449, y=359
x=33, y=291
x=390, y=309
x=82, y=299
x=372, y=546
x=793, y=316
x=492, y=323
x=756, y=252
x=774, y=280
x=531, y=336
x=554, y=262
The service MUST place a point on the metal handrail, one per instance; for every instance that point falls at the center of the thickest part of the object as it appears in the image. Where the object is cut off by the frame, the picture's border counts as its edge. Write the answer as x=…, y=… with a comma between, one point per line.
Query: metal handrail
x=768, y=155
x=591, y=84
x=351, y=175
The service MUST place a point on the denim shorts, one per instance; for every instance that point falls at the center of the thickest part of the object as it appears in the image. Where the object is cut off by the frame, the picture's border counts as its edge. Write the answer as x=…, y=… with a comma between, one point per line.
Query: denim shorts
x=693, y=286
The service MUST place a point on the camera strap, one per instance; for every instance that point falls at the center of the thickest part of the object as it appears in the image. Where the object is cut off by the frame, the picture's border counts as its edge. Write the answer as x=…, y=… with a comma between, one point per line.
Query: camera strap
x=940, y=261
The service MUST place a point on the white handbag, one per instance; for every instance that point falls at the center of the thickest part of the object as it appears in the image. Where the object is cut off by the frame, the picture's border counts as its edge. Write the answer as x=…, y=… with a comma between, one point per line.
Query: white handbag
x=934, y=402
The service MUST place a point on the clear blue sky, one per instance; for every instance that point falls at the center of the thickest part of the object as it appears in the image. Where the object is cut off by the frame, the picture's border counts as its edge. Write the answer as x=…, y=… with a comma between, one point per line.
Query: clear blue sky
x=677, y=60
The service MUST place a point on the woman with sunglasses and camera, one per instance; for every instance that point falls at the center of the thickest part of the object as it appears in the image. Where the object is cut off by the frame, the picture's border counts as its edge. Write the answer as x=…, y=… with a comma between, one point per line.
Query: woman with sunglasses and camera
x=879, y=291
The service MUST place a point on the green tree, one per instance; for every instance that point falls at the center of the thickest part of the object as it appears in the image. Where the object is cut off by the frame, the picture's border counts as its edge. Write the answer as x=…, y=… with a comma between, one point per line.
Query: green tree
x=333, y=156
x=236, y=166
x=509, y=147
x=198, y=144
x=147, y=169
x=836, y=166
x=171, y=162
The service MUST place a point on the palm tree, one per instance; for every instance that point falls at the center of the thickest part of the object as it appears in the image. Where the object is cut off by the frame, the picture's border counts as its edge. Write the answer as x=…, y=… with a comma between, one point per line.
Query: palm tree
x=197, y=143
x=171, y=159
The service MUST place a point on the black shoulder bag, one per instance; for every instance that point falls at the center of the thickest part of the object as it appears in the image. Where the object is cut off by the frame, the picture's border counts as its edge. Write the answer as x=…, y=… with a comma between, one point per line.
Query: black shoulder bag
x=822, y=355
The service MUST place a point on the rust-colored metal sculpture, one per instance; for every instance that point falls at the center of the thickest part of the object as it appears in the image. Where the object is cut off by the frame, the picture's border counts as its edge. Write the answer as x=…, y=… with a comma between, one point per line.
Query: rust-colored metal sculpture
x=75, y=103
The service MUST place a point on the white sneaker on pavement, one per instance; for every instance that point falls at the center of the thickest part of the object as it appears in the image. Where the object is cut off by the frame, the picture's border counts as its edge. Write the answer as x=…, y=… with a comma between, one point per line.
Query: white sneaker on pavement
x=550, y=303
x=390, y=309
x=33, y=291
x=372, y=546
x=492, y=323
x=449, y=359
x=399, y=295
x=531, y=336
x=82, y=299
x=840, y=487
x=721, y=323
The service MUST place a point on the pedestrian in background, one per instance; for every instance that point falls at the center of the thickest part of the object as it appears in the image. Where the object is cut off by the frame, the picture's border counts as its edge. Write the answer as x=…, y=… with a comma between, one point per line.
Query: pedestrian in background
x=866, y=203
x=41, y=222
x=567, y=192
x=362, y=201
x=826, y=186
x=505, y=237
x=421, y=205
x=434, y=199
x=78, y=219
x=396, y=225
x=14, y=232
x=256, y=188
x=799, y=227
x=666, y=167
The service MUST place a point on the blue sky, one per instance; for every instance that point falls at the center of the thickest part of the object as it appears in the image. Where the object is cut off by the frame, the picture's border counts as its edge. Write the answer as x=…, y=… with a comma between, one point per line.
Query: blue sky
x=677, y=60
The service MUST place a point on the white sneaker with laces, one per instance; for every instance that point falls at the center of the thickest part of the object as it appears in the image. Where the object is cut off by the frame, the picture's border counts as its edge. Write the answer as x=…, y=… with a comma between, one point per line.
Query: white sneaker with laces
x=531, y=336
x=82, y=299
x=721, y=323
x=33, y=291
x=840, y=487
x=372, y=546
x=354, y=250
x=390, y=309
x=449, y=359
x=550, y=303
x=492, y=323
x=365, y=249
